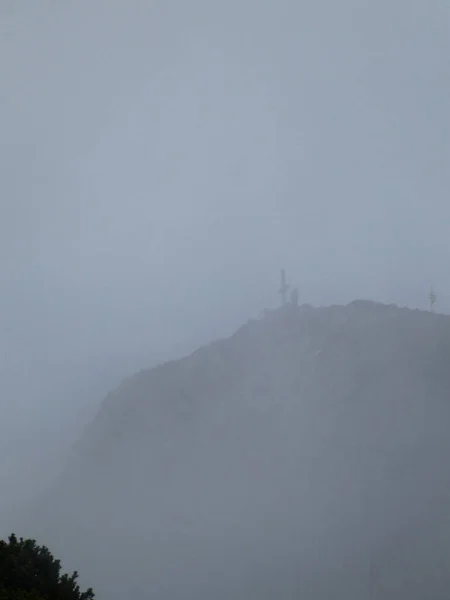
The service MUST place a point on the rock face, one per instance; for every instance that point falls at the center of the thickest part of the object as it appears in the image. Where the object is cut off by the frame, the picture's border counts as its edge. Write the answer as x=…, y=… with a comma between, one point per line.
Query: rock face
x=304, y=457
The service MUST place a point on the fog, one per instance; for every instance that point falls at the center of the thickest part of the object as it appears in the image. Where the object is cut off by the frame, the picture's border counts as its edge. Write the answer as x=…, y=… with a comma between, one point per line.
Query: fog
x=302, y=457
x=160, y=161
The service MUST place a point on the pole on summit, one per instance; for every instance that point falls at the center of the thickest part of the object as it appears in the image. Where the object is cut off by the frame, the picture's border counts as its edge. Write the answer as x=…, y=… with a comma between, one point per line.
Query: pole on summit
x=283, y=288
x=432, y=298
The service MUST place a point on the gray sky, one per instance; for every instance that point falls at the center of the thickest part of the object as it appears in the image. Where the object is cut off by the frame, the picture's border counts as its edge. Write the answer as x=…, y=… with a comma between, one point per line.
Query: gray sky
x=161, y=160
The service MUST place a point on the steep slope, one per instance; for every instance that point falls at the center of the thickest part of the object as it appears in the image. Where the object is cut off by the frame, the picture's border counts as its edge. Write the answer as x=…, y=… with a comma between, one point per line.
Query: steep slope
x=305, y=456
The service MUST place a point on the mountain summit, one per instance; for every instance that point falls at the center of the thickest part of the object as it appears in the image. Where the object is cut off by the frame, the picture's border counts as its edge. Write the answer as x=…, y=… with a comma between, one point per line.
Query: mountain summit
x=303, y=457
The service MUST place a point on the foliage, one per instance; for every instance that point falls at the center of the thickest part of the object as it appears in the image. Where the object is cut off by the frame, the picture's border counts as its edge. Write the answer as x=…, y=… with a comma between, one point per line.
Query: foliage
x=11, y=594
x=30, y=572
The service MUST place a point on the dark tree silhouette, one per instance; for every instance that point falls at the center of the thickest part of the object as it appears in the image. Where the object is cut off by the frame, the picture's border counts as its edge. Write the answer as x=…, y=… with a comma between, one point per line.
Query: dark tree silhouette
x=30, y=572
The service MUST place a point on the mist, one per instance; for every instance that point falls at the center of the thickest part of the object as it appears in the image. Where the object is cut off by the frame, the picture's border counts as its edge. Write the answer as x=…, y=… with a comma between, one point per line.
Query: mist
x=160, y=161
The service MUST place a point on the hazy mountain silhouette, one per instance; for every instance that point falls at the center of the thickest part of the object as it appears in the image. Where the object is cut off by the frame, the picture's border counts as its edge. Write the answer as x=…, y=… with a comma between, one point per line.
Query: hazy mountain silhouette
x=303, y=457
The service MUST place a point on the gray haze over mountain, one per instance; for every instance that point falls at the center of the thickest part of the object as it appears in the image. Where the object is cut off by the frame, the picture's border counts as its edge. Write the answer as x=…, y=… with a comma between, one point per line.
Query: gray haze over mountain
x=303, y=457
x=161, y=160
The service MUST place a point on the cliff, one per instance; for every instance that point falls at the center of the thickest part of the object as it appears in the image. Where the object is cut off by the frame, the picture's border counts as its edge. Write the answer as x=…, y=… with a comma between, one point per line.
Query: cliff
x=305, y=456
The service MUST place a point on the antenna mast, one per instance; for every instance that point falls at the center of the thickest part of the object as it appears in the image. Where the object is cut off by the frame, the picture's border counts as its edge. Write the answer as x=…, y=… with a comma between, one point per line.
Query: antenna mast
x=432, y=298
x=283, y=287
